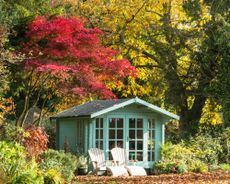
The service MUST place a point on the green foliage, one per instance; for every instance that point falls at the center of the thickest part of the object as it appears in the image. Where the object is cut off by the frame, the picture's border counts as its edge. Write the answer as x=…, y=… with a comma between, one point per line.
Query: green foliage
x=15, y=167
x=199, y=154
x=225, y=167
x=166, y=166
x=12, y=11
x=28, y=177
x=65, y=163
x=192, y=8
x=12, y=158
x=53, y=177
x=177, y=152
x=198, y=166
x=11, y=133
x=207, y=148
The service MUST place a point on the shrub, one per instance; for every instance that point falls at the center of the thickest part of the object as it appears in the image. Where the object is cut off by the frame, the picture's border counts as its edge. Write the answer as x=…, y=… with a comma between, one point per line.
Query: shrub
x=177, y=152
x=53, y=177
x=225, y=167
x=28, y=177
x=51, y=132
x=207, y=149
x=36, y=141
x=225, y=156
x=166, y=166
x=65, y=163
x=198, y=166
x=12, y=159
x=183, y=157
x=11, y=133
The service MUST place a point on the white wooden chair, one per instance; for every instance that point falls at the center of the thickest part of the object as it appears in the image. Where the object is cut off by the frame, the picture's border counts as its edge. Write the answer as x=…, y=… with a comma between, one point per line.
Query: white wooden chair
x=99, y=164
x=98, y=159
x=120, y=158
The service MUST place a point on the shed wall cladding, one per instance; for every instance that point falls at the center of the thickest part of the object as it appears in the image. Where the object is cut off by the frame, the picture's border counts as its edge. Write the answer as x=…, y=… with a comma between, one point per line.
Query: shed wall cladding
x=75, y=133
x=67, y=133
x=82, y=139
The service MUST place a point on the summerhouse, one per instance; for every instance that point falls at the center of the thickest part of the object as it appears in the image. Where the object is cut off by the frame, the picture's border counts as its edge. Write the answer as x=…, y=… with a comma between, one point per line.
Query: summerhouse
x=133, y=124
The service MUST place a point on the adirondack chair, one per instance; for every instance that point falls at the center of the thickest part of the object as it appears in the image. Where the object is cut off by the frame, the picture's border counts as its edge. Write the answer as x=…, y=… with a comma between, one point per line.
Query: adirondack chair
x=98, y=159
x=99, y=164
x=120, y=158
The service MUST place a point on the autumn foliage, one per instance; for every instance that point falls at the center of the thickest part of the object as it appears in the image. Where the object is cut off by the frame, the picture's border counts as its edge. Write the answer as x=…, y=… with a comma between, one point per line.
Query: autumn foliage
x=73, y=55
x=36, y=141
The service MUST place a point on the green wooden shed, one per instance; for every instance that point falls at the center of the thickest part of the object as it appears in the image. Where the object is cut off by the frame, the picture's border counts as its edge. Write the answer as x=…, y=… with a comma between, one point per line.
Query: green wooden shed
x=133, y=124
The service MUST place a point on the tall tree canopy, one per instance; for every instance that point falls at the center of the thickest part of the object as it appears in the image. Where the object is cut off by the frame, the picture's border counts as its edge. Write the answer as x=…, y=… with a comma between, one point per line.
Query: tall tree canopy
x=62, y=53
x=173, y=45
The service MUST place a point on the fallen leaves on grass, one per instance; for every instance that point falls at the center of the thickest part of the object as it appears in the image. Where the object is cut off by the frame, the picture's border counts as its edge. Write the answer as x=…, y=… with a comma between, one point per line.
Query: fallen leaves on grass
x=188, y=178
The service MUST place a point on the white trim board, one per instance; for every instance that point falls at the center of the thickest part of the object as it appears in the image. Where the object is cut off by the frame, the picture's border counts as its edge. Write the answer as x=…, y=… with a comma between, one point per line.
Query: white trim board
x=138, y=101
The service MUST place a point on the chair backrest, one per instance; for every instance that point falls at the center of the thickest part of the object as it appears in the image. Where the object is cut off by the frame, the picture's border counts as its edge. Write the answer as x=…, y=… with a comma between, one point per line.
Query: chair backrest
x=97, y=157
x=119, y=156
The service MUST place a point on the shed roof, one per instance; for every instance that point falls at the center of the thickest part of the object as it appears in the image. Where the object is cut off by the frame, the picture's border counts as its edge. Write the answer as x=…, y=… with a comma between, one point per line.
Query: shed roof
x=98, y=107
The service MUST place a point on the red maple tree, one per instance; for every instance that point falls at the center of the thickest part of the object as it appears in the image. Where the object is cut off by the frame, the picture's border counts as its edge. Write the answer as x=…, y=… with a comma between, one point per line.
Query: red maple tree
x=68, y=51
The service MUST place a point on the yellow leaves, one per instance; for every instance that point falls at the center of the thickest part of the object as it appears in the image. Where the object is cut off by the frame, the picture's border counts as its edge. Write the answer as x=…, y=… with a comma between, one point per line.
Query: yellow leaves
x=211, y=113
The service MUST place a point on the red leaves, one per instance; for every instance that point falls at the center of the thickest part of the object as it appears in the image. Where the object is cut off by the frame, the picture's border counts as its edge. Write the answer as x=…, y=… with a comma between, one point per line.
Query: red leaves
x=36, y=141
x=73, y=53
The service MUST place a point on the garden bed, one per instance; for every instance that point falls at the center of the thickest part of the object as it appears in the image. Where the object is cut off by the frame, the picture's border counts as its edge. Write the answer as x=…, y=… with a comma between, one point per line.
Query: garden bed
x=214, y=177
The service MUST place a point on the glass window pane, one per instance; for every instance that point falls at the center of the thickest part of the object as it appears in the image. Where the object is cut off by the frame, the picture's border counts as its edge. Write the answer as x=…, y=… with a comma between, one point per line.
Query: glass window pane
x=140, y=145
x=110, y=156
x=112, y=122
x=153, y=124
x=151, y=144
x=131, y=156
x=153, y=156
x=97, y=144
x=97, y=134
x=120, y=144
x=111, y=145
x=139, y=156
x=120, y=123
x=101, y=124
x=101, y=144
x=132, y=134
x=139, y=123
x=120, y=134
x=140, y=134
x=132, y=145
x=101, y=134
x=132, y=123
x=111, y=134
x=153, y=134
x=149, y=156
x=97, y=123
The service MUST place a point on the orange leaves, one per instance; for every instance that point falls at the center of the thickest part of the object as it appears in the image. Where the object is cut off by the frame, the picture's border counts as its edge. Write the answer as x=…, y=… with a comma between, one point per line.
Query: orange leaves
x=216, y=177
x=36, y=141
x=6, y=106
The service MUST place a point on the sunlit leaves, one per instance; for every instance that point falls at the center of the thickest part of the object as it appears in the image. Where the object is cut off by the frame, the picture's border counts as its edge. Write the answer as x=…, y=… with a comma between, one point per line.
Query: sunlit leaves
x=68, y=51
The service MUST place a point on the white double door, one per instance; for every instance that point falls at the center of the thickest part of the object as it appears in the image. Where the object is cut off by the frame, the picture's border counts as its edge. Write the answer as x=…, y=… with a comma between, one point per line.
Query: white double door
x=128, y=133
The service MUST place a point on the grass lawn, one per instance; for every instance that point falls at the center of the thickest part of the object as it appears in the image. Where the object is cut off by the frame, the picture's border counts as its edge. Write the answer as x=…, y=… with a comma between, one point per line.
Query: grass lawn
x=215, y=177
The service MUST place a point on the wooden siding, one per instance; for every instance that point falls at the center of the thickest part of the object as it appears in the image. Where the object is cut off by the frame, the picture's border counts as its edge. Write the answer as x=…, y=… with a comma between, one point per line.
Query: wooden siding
x=75, y=131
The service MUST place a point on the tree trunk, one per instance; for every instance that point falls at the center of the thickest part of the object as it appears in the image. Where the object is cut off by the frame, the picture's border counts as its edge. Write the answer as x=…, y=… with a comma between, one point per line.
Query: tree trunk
x=24, y=113
x=190, y=118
